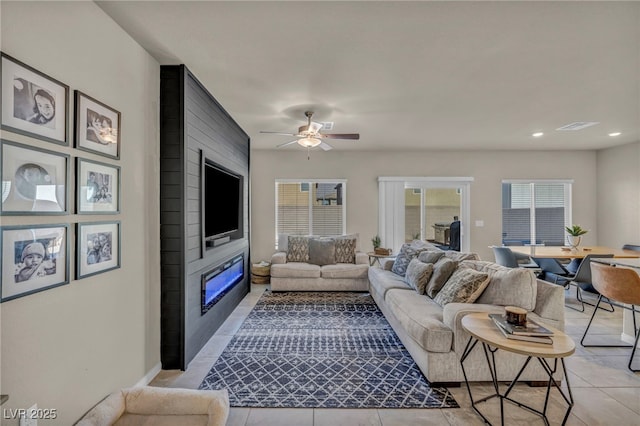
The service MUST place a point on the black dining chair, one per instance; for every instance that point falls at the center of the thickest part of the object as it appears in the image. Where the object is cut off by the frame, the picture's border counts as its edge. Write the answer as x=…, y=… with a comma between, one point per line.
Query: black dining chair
x=631, y=247
x=506, y=257
x=582, y=281
x=553, y=271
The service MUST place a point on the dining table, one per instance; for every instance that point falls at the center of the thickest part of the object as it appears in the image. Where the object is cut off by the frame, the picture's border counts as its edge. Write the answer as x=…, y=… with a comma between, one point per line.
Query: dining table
x=563, y=252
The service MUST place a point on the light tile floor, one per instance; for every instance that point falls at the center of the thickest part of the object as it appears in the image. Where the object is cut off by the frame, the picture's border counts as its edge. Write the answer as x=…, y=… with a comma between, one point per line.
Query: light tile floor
x=604, y=390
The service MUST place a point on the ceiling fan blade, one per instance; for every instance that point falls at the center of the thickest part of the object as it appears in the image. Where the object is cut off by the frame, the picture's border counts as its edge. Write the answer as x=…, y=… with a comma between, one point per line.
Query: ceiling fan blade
x=279, y=133
x=287, y=143
x=325, y=146
x=354, y=136
x=315, y=127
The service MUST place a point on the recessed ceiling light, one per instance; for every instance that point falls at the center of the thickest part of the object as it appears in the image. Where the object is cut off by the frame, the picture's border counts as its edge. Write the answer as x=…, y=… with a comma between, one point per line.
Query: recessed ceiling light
x=615, y=134
x=537, y=134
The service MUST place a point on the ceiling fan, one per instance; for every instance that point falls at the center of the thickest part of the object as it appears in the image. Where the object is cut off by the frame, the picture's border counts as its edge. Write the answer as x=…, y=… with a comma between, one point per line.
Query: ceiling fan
x=309, y=135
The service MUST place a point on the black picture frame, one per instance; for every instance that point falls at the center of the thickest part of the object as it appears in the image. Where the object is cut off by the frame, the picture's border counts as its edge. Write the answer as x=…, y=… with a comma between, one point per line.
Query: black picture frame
x=97, y=187
x=97, y=126
x=97, y=248
x=34, y=258
x=35, y=181
x=33, y=103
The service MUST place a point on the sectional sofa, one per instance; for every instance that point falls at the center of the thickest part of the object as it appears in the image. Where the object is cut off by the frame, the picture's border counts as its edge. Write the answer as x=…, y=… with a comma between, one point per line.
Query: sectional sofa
x=433, y=334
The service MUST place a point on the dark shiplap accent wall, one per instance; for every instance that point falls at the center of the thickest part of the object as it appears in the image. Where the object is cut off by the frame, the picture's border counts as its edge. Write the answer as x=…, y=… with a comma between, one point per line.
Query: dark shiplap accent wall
x=193, y=125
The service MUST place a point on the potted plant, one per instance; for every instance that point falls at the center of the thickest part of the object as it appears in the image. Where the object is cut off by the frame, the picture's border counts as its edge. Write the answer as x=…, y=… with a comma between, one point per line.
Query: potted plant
x=376, y=242
x=575, y=232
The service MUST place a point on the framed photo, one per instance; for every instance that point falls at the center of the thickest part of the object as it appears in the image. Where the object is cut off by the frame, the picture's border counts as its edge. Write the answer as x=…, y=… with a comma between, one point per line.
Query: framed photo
x=98, y=248
x=34, y=181
x=34, y=258
x=98, y=187
x=33, y=104
x=97, y=126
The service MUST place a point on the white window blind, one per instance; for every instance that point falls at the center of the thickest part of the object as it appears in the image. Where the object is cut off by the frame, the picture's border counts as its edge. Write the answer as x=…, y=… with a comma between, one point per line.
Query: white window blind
x=311, y=207
x=546, y=205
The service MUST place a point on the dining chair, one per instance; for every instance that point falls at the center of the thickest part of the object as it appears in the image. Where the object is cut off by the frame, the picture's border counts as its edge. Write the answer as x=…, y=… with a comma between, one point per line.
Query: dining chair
x=620, y=285
x=506, y=257
x=553, y=271
x=582, y=281
x=631, y=247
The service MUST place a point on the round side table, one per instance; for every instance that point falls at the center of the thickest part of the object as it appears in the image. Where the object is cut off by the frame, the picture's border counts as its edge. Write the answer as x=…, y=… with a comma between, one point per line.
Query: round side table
x=482, y=329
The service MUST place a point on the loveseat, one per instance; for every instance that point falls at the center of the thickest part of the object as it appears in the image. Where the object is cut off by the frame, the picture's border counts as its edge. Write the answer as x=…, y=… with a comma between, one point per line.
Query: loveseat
x=306, y=263
x=429, y=324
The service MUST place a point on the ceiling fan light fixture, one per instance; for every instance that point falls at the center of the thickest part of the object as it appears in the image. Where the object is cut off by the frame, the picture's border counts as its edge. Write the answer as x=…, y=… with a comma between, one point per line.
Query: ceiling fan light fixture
x=309, y=142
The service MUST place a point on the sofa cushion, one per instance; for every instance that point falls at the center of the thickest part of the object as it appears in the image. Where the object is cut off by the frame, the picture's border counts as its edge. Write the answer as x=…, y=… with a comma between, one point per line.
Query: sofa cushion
x=508, y=286
x=442, y=270
x=295, y=270
x=298, y=249
x=464, y=286
x=345, y=250
x=430, y=256
x=345, y=270
x=418, y=274
x=421, y=319
x=460, y=256
x=407, y=252
x=381, y=281
x=322, y=251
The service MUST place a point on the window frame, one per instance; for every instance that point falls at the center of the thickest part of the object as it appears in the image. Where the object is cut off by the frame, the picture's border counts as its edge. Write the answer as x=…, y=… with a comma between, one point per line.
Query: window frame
x=568, y=202
x=309, y=182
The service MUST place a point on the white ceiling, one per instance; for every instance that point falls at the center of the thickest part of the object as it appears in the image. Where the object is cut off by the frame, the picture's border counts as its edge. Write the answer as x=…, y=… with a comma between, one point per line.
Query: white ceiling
x=408, y=75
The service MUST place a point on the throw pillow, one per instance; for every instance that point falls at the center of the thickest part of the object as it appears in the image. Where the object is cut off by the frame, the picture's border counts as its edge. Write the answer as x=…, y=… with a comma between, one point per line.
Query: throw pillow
x=298, y=249
x=322, y=251
x=345, y=250
x=430, y=256
x=442, y=270
x=464, y=286
x=407, y=252
x=418, y=274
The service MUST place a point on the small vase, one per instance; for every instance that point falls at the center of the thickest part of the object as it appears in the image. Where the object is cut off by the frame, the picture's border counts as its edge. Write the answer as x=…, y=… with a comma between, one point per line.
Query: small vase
x=574, y=241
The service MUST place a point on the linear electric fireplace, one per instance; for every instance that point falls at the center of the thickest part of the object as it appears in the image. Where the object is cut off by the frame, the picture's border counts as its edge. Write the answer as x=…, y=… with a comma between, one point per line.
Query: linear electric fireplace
x=220, y=280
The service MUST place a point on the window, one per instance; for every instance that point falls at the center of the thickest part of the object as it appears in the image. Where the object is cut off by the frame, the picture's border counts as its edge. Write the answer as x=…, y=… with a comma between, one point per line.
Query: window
x=311, y=207
x=535, y=211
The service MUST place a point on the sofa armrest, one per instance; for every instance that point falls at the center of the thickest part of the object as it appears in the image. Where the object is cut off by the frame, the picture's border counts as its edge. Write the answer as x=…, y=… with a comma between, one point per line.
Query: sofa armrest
x=106, y=412
x=148, y=400
x=453, y=313
x=279, y=257
x=550, y=303
x=362, y=258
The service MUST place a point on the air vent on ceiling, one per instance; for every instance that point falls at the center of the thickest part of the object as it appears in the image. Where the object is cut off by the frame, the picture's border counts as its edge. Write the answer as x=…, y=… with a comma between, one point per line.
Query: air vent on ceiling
x=327, y=125
x=578, y=125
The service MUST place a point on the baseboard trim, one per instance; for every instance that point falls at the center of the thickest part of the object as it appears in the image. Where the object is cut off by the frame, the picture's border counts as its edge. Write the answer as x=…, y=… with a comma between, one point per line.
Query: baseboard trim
x=150, y=375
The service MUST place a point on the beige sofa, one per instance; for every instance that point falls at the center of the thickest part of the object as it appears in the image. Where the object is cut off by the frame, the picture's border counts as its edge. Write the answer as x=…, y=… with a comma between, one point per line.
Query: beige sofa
x=433, y=335
x=152, y=406
x=326, y=275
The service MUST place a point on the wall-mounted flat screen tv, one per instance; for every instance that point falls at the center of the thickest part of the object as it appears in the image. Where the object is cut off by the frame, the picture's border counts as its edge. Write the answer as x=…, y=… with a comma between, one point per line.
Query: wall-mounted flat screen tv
x=222, y=201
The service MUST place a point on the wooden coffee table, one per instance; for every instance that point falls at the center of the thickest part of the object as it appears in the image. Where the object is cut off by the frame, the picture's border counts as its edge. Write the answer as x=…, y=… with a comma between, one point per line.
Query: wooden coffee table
x=482, y=329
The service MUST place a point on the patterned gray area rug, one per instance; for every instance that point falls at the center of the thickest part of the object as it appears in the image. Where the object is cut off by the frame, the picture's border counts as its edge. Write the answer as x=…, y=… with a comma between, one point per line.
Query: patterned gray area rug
x=321, y=350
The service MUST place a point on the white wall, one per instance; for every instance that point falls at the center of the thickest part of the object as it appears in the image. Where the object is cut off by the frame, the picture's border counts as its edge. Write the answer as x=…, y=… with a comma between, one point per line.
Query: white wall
x=361, y=169
x=618, y=202
x=68, y=347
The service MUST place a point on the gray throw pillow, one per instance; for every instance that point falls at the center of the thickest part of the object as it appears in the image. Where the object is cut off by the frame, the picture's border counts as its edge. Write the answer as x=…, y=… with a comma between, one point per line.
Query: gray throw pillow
x=345, y=250
x=407, y=252
x=418, y=274
x=298, y=249
x=322, y=251
x=442, y=270
x=430, y=256
x=464, y=286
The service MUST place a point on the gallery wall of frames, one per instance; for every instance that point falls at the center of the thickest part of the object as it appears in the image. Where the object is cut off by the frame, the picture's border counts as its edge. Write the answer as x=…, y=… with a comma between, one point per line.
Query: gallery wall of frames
x=37, y=182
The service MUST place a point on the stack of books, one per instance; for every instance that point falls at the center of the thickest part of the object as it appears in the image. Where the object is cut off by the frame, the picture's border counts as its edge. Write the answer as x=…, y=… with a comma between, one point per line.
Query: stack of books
x=530, y=332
